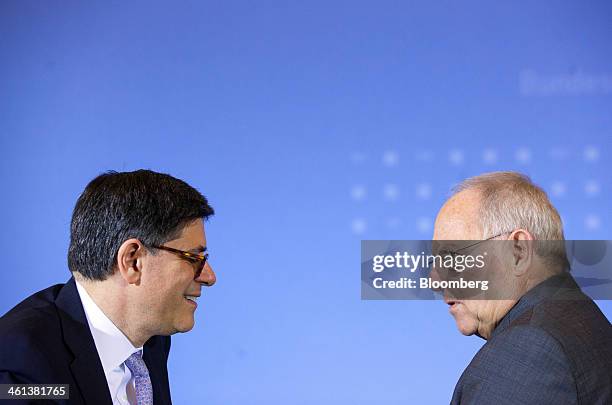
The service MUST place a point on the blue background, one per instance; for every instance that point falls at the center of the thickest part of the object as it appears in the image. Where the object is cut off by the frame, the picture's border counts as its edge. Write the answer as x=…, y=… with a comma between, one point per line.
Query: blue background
x=309, y=126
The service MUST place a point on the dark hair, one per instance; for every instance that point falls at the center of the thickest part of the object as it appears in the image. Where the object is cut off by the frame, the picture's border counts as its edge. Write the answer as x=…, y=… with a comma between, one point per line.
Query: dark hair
x=114, y=207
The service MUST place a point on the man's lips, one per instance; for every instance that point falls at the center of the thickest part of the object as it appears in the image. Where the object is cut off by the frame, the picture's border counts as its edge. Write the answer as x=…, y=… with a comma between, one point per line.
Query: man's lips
x=452, y=305
x=192, y=298
x=451, y=302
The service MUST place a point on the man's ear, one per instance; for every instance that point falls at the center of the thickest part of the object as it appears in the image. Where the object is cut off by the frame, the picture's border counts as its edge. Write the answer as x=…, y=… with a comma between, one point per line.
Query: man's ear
x=129, y=260
x=523, y=250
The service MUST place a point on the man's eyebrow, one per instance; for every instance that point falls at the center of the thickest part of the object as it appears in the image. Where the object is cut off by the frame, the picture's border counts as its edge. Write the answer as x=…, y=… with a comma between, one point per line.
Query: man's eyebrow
x=450, y=245
x=444, y=246
x=199, y=249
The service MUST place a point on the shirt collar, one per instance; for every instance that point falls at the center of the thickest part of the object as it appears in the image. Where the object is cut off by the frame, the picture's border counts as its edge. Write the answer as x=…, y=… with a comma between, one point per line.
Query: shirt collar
x=112, y=345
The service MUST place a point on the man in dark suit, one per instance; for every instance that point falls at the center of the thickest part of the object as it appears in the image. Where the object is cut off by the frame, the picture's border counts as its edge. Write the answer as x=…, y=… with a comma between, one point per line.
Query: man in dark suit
x=547, y=342
x=138, y=259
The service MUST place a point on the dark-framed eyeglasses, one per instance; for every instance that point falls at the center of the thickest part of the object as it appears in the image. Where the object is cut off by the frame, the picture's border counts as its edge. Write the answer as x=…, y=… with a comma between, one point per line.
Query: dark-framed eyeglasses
x=198, y=260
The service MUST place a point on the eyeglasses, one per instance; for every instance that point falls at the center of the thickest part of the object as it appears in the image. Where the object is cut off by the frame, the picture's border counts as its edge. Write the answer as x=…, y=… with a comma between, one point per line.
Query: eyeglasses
x=481, y=241
x=454, y=253
x=197, y=259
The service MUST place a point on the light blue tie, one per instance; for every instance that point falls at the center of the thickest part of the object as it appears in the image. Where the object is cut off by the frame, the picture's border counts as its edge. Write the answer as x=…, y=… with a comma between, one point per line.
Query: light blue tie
x=144, y=389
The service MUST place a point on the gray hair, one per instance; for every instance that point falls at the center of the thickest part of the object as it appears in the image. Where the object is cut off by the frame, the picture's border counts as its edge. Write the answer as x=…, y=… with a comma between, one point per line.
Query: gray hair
x=509, y=201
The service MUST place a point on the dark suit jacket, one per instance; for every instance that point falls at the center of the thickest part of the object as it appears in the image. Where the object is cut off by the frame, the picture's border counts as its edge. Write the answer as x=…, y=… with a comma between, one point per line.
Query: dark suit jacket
x=553, y=347
x=46, y=340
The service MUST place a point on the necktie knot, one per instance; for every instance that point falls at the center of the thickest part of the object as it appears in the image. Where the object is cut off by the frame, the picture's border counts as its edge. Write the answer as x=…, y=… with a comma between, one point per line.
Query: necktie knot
x=137, y=365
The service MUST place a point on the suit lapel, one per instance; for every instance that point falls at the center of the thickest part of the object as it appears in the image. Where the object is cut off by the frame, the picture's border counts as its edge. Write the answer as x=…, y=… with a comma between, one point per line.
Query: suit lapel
x=155, y=357
x=86, y=367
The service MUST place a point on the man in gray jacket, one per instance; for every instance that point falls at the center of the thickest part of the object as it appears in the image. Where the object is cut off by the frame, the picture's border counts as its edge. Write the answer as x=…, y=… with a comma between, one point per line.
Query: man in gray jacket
x=547, y=342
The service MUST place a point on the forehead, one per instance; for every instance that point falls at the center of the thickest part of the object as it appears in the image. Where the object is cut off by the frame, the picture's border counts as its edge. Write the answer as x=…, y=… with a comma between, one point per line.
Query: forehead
x=193, y=235
x=458, y=218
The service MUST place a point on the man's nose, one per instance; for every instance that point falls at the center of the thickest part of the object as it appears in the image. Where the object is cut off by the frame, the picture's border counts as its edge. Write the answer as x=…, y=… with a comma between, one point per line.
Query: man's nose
x=435, y=276
x=207, y=277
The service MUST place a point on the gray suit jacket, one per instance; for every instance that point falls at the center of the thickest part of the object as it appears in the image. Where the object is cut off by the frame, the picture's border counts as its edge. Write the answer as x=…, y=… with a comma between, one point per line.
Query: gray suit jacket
x=553, y=347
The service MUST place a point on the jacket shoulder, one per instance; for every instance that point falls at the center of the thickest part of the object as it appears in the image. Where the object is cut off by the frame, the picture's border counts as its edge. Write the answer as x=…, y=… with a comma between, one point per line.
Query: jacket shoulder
x=33, y=313
x=523, y=364
x=527, y=343
x=585, y=337
x=30, y=336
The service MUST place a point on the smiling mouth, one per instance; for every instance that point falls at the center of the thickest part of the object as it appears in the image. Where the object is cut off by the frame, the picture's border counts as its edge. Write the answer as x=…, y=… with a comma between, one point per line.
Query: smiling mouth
x=193, y=299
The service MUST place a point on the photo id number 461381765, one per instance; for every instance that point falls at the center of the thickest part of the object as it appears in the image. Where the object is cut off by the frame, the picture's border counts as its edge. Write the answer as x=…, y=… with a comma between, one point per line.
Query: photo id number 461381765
x=34, y=391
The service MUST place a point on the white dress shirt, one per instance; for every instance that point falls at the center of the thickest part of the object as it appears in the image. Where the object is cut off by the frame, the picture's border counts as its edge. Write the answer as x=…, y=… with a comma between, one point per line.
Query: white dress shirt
x=113, y=349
